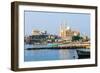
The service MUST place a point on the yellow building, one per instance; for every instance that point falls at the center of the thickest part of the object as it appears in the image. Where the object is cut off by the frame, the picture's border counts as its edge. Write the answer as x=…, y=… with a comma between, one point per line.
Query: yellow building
x=66, y=33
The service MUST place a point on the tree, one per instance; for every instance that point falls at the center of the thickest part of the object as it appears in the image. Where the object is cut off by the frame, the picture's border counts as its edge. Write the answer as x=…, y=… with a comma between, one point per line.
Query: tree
x=76, y=38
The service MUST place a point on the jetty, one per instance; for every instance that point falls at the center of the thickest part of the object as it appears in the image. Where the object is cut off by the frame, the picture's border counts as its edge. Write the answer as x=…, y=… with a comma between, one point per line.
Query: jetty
x=61, y=46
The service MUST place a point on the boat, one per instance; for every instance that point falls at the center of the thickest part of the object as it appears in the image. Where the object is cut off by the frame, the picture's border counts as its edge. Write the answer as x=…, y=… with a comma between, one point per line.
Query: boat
x=83, y=53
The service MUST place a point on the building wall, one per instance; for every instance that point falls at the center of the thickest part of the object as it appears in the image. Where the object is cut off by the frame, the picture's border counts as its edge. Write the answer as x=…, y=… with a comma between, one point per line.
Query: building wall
x=66, y=33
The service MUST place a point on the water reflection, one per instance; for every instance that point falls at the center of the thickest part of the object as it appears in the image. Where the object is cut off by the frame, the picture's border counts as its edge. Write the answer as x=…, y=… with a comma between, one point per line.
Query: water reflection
x=68, y=54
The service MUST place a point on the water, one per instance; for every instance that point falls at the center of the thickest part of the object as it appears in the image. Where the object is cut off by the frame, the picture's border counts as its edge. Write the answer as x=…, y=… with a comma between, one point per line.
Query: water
x=49, y=54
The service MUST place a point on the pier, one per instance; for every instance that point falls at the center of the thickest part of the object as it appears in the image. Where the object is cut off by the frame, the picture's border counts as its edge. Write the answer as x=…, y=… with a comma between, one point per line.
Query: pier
x=59, y=46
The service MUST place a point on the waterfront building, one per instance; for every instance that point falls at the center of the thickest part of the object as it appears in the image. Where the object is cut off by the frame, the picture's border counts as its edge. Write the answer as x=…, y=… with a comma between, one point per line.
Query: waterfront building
x=36, y=32
x=66, y=33
x=40, y=37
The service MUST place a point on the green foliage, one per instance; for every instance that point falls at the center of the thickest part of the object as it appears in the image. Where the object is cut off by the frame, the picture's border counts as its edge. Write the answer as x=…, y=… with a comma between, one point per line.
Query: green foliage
x=76, y=38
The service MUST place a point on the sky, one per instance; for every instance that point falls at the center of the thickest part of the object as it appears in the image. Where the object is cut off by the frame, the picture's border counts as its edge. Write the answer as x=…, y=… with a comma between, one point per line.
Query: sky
x=51, y=21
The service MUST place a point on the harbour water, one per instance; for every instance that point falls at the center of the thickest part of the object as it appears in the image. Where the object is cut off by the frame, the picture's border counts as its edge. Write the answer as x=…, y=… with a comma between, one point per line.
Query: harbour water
x=49, y=54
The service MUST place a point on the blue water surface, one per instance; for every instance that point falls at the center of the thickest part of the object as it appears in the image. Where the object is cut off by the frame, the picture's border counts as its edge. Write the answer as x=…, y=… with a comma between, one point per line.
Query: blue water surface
x=49, y=54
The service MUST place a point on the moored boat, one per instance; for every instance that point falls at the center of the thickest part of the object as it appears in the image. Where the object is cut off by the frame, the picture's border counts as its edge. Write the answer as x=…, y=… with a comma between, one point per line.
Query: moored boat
x=82, y=54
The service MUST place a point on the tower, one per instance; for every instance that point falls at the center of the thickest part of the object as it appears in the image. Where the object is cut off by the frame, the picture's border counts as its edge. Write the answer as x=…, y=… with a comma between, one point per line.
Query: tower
x=63, y=30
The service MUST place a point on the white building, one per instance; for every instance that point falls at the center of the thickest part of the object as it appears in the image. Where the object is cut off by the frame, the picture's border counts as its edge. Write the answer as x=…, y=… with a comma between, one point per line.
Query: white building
x=36, y=32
